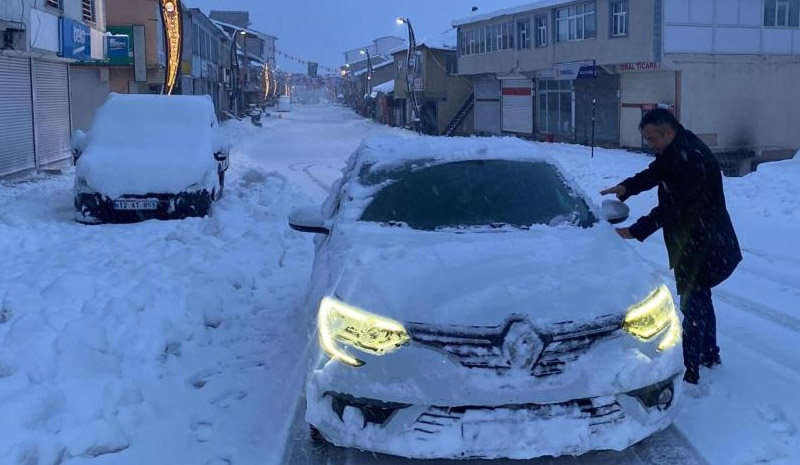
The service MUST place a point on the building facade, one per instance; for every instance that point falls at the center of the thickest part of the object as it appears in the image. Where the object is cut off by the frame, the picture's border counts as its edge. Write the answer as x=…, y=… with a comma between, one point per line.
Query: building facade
x=141, y=71
x=206, y=60
x=445, y=99
x=255, y=54
x=725, y=67
x=39, y=86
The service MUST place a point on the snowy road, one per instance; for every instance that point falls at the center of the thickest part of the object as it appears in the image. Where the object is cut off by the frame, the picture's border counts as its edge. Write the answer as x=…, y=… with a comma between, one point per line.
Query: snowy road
x=187, y=341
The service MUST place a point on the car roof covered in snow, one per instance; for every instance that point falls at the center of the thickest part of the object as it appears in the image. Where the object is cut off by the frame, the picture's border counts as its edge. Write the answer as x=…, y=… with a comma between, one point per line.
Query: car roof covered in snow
x=388, y=151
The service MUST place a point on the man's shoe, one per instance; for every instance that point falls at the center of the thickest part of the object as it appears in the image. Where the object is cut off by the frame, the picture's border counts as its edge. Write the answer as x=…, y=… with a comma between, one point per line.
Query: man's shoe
x=691, y=376
x=711, y=361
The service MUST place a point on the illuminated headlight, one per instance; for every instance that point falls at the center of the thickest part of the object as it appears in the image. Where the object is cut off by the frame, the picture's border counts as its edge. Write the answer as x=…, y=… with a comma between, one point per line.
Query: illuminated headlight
x=341, y=325
x=652, y=316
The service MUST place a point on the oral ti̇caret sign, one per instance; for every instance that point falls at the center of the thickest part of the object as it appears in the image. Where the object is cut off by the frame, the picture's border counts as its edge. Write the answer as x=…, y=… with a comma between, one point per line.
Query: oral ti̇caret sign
x=76, y=40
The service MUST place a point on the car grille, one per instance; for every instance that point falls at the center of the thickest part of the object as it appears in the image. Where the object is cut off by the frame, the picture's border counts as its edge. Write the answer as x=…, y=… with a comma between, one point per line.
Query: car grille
x=599, y=412
x=481, y=347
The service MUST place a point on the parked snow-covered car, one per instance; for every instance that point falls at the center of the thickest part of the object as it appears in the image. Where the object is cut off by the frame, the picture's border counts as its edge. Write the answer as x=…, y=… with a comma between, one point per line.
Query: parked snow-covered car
x=473, y=302
x=284, y=103
x=149, y=156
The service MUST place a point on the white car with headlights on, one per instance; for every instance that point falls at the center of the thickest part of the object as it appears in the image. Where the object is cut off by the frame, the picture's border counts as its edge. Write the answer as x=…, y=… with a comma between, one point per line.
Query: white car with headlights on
x=473, y=302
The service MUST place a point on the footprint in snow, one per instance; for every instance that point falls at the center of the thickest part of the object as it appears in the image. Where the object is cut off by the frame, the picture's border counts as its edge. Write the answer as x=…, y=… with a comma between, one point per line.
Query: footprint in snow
x=201, y=378
x=203, y=430
x=778, y=423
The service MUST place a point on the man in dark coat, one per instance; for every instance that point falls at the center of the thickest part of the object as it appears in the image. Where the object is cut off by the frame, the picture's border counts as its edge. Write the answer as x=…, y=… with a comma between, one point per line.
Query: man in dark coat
x=702, y=245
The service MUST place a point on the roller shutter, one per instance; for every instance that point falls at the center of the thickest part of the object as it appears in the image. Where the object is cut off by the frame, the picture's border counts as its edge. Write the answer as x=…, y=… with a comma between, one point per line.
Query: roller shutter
x=16, y=116
x=517, y=106
x=51, y=107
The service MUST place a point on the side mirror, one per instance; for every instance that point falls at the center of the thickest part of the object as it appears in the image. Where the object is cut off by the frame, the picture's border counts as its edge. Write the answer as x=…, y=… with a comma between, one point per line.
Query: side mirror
x=78, y=144
x=615, y=211
x=308, y=219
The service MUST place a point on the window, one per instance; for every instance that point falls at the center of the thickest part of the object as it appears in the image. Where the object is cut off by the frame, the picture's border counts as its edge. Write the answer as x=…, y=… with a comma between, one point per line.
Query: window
x=196, y=39
x=619, y=18
x=541, y=31
x=478, y=193
x=451, y=63
x=54, y=3
x=556, y=113
x=524, y=34
x=577, y=22
x=782, y=13
x=88, y=10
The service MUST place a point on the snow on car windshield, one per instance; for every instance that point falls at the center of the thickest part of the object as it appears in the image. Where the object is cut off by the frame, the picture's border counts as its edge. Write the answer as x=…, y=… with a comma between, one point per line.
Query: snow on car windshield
x=473, y=193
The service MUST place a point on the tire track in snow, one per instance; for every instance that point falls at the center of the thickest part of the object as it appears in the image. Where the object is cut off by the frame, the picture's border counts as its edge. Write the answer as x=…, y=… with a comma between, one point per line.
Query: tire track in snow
x=743, y=303
x=306, y=169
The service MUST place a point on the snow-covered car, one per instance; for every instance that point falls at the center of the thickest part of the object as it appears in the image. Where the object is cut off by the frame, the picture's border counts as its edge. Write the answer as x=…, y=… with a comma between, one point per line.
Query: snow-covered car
x=149, y=156
x=472, y=301
x=284, y=103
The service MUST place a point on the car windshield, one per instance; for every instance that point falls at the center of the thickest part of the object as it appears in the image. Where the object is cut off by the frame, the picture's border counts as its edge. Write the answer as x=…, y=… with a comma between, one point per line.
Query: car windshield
x=479, y=193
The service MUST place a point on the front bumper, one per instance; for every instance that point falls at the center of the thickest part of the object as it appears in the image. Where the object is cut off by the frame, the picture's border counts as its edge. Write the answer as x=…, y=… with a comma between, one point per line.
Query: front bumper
x=93, y=208
x=516, y=431
x=604, y=390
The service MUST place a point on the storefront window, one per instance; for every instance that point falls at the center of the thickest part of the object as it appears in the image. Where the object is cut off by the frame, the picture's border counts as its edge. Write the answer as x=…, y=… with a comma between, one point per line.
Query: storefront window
x=556, y=113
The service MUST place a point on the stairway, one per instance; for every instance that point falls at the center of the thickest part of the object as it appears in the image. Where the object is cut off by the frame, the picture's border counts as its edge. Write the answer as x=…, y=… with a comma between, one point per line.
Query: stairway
x=459, y=117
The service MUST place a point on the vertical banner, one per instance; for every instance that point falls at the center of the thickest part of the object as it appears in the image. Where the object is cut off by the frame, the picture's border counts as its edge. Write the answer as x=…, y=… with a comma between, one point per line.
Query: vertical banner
x=312, y=68
x=173, y=38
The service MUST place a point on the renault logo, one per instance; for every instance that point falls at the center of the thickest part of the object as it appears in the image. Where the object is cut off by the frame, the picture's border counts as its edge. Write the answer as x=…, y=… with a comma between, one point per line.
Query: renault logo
x=522, y=345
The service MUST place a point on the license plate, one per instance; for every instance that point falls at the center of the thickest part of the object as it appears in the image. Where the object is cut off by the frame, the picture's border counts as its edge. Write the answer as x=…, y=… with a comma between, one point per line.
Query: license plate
x=145, y=204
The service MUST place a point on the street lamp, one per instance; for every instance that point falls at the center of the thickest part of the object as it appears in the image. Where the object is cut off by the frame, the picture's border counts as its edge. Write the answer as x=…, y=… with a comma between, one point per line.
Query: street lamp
x=411, y=70
x=235, y=67
x=369, y=70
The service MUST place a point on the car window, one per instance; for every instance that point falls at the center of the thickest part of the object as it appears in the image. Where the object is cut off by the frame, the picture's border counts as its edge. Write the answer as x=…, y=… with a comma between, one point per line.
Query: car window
x=479, y=193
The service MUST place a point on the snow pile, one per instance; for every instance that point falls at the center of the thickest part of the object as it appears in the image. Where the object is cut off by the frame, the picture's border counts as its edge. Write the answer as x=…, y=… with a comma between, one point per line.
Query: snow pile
x=140, y=144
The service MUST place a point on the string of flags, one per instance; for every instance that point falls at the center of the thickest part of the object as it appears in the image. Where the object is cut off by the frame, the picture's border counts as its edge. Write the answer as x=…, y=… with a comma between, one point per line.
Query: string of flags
x=303, y=62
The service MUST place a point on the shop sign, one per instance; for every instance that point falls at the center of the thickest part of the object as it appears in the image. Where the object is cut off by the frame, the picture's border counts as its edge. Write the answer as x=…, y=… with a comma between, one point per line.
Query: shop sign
x=575, y=70
x=639, y=66
x=119, y=45
x=75, y=40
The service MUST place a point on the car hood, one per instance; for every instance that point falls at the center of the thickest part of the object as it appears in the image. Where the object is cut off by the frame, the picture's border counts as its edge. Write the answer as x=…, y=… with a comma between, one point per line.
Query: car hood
x=549, y=275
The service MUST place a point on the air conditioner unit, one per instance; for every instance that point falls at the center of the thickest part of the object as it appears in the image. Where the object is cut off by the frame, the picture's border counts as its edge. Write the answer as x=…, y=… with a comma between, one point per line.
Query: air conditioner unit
x=13, y=39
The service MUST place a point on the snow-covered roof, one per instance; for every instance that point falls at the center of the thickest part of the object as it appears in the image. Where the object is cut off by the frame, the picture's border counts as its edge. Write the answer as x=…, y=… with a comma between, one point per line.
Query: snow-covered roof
x=224, y=25
x=383, y=65
x=511, y=10
x=444, y=41
x=385, y=88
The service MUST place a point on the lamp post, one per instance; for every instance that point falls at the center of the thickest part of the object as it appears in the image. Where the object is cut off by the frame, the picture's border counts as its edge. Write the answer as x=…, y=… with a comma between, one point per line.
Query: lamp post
x=235, y=68
x=411, y=71
x=369, y=70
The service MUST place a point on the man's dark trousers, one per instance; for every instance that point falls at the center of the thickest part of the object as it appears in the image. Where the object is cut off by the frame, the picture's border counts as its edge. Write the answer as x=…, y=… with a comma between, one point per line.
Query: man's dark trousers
x=699, y=329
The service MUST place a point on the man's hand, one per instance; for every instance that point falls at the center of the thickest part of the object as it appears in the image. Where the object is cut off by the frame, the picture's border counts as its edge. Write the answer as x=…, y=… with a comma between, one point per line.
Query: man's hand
x=625, y=233
x=619, y=191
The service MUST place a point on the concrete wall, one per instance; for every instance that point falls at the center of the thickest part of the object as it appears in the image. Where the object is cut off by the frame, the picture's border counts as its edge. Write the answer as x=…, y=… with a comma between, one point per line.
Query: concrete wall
x=637, y=46
x=744, y=101
x=89, y=88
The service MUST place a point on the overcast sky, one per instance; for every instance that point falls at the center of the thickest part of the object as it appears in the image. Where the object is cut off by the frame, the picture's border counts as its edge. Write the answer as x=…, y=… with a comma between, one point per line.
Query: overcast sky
x=321, y=30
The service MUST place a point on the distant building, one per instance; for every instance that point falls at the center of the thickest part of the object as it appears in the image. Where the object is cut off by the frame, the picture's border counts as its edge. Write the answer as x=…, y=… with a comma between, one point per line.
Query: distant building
x=205, y=65
x=445, y=99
